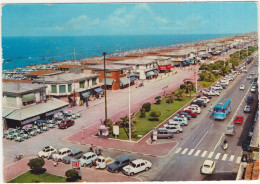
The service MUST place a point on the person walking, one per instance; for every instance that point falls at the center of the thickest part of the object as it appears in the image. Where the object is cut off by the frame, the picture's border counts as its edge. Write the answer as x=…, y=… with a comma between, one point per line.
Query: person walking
x=211, y=108
x=152, y=138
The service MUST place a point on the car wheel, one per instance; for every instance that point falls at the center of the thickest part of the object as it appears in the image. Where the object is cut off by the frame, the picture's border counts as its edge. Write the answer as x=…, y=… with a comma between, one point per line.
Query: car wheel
x=147, y=168
x=131, y=174
x=84, y=165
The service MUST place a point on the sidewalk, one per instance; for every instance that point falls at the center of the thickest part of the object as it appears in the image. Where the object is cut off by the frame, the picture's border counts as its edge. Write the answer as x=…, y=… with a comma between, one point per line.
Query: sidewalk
x=88, y=174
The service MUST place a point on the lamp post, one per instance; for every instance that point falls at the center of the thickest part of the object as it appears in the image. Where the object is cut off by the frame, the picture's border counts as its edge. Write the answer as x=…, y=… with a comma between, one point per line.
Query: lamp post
x=104, y=54
x=130, y=131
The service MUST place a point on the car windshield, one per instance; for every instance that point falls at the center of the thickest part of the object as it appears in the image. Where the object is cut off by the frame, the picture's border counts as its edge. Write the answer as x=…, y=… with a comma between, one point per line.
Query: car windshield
x=207, y=166
x=59, y=153
x=132, y=164
x=100, y=160
x=117, y=162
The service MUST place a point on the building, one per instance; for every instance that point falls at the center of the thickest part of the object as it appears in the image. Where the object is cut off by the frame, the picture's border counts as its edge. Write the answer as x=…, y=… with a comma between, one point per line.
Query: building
x=38, y=73
x=71, y=85
x=25, y=103
x=141, y=67
x=116, y=75
x=71, y=68
x=164, y=63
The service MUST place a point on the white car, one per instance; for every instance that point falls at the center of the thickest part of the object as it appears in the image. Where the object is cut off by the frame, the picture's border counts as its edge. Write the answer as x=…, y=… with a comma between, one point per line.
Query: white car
x=46, y=152
x=253, y=89
x=173, y=129
x=204, y=98
x=218, y=86
x=230, y=130
x=249, y=77
x=137, y=166
x=252, y=73
x=193, y=108
x=225, y=82
x=63, y=152
x=242, y=87
x=211, y=93
x=208, y=167
x=172, y=122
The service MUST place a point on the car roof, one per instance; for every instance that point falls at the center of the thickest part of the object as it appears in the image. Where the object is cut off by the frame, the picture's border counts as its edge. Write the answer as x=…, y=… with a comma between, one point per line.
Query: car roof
x=63, y=149
x=208, y=162
x=138, y=161
x=75, y=151
x=239, y=117
x=88, y=154
x=123, y=158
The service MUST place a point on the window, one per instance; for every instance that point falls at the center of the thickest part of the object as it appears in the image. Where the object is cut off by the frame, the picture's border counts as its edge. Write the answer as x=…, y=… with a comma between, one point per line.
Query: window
x=89, y=157
x=53, y=88
x=137, y=66
x=142, y=164
x=108, y=74
x=81, y=84
x=122, y=71
x=69, y=87
x=94, y=81
x=62, y=88
x=138, y=165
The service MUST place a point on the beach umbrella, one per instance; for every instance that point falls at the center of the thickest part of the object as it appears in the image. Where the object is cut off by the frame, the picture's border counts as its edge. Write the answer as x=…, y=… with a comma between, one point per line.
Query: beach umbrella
x=27, y=126
x=67, y=111
x=57, y=115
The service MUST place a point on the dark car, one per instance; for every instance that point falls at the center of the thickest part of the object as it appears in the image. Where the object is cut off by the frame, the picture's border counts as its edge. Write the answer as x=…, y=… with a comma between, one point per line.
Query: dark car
x=74, y=154
x=119, y=164
x=66, y=123
x=249, y=99
x=192, y=114
x=200, y=103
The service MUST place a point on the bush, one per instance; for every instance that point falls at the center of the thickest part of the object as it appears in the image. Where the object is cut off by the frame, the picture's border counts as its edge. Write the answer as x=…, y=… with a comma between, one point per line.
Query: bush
x=147, y=106
x=182, y=86
x=36, y=163
x=142, y=111
x=169, y=100
x=155, y=115
x=158, y=102
x=158, y=97
x=72, y=175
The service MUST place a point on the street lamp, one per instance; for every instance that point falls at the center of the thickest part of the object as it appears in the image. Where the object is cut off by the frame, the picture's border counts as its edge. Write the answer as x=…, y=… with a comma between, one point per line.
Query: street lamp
x=104, y=54
x=130, y=131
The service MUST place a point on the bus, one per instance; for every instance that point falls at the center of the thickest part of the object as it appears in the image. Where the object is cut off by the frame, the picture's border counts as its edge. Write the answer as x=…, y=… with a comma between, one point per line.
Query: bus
x=222, y=109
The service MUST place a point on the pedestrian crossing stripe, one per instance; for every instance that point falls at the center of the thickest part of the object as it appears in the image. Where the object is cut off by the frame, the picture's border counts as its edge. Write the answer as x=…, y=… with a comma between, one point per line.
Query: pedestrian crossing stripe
x=207, y=154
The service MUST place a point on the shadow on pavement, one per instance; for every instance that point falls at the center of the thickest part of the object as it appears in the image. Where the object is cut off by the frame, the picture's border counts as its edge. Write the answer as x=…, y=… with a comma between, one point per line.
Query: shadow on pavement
x=221, y=176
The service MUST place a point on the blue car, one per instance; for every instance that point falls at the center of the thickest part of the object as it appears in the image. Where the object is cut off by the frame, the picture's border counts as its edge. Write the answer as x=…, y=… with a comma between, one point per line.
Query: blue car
x=119, y=164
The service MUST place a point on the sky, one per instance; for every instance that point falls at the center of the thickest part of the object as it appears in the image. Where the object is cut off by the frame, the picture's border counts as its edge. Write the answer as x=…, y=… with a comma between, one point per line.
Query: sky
x=129, y=19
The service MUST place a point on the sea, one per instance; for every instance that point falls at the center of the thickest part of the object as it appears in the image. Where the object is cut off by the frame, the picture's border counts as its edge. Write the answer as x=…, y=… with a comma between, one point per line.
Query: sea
x=19, y=52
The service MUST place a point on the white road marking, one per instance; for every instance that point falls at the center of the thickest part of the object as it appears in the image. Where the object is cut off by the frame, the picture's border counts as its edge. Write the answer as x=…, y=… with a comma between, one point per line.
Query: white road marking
x=178, y=150
x=201, y=139
x=211, y=154
x=238, y=160
x=217, y=156
x=224, y=157
x=204, y=153
x=191, y=151
x=184, y=151
x=197, y=153
x=231, y=158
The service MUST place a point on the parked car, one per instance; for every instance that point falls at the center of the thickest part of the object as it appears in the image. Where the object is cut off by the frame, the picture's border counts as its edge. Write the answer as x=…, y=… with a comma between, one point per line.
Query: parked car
x=9, y=132
x=87, y=159
x=193, y=108
x=66, y=123
x=74, y=154
x=218, y=86
x=249, y=77
x=181, y=121
x=119, y=164
x=230, y=130
x=164, y=134
x=253, y=89
x=183, y=114
x=225, y=81
x=211, y=93
x=171, y=122
x=252, y=73
x=242, y=87
x=137, y=166
x=249, y=99
x=206, y=99
x=192, y=114
x=13, y=136
x=239, y=119
x=223, y=85
x=102, y=162
x=200, y=103
x=46, y=152
x=255, y=84
x=173, y=129
x=208, y=167
x=63, y=152
x=247, y=109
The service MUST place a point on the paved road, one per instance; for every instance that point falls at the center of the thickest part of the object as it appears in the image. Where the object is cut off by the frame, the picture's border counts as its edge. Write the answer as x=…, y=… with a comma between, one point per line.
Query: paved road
x=202, y=139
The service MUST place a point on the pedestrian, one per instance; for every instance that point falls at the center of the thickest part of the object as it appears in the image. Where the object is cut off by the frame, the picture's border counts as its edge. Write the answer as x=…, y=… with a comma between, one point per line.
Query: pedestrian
x=86, y=102
x=151, y=137
x=55, y=163
x=211, y=108
x=164, y=93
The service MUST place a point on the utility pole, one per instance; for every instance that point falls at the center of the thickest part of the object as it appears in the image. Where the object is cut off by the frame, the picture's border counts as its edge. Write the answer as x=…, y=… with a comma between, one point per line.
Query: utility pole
x=104, y=54
x=130, y=131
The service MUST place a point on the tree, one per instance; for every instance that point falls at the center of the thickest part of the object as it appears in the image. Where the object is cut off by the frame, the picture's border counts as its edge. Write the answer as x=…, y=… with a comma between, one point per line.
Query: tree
x=147, y=106
x=110, y=125
x=36, y=165
x=179, y=94
x=142, y=113
x=72, y=175
x=158, y=100
x=169, y=100
x=155, y=114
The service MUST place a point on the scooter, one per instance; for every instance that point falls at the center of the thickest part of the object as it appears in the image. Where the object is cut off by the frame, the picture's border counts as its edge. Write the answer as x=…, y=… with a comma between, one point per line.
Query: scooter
x=225, y=146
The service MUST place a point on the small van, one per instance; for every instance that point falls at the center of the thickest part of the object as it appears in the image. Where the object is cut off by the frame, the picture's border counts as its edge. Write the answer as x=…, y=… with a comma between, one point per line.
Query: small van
x=163, y=133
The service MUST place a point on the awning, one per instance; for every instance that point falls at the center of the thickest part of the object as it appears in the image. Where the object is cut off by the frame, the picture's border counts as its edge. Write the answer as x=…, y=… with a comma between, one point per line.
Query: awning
x=204, y=55
x=123, y=81
x=150, y=73
x=132, y=78
x=36, y=110
x=98, y=90
x=28, y=97
x=86, y=94
x=6, y=111
x=109, y=81
x=193, y=60
x=156, y=71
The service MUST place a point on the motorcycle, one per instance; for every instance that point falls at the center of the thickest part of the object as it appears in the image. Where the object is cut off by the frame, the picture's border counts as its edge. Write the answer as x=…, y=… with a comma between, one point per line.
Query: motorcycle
x=225, y=146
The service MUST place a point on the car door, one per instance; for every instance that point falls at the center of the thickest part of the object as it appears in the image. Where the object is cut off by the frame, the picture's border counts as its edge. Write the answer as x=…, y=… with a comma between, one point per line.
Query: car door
x=142, y=167
x=138, y=168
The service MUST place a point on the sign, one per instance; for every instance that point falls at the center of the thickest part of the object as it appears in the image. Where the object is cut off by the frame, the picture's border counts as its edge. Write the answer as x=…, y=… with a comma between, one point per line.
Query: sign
x=75, y=164
x=116, y=130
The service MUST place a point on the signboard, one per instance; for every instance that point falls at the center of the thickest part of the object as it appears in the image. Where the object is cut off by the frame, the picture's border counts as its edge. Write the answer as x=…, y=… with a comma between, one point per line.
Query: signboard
x=116, y=130
x=75, y=164
x=30, y=120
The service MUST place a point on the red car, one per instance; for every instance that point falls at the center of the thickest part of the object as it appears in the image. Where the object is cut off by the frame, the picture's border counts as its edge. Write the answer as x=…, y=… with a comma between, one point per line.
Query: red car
x=239, y=119
x=192, y=114
x=66, y=123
